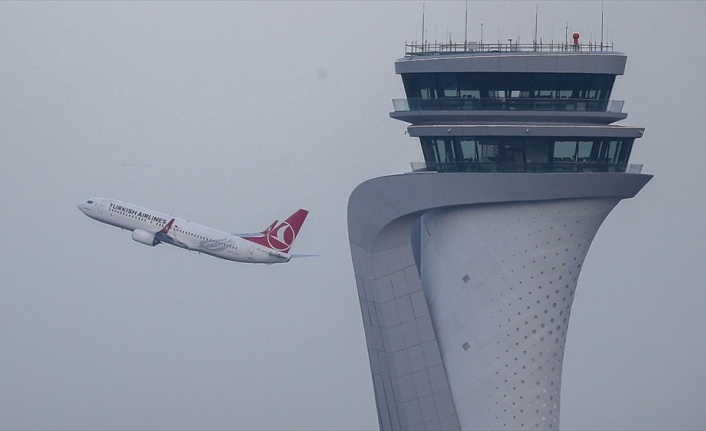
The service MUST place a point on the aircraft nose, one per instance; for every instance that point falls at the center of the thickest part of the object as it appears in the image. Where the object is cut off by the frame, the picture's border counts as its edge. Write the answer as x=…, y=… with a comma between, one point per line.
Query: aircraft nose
x=83, y=206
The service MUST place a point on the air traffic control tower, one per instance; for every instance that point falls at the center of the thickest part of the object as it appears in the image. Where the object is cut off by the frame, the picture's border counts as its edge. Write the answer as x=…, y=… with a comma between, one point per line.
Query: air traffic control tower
x=466, y=267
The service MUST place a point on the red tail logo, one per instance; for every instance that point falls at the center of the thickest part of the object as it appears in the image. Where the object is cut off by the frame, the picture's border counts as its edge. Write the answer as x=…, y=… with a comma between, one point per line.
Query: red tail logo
x=281, y=236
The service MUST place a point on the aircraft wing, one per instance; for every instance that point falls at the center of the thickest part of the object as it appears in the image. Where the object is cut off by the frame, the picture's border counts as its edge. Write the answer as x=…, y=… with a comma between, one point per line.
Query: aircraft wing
x=163, y=236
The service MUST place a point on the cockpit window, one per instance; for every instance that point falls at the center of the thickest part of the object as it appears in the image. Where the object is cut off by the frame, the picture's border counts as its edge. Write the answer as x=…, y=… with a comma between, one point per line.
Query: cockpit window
x=89, y=202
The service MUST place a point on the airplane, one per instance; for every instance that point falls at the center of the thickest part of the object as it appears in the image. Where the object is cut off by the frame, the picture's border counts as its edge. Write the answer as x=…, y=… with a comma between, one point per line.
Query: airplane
x=150, y=227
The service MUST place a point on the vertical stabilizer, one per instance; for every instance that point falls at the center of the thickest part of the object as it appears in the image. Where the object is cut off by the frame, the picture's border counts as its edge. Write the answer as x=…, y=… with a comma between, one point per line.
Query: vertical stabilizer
x=281, y=236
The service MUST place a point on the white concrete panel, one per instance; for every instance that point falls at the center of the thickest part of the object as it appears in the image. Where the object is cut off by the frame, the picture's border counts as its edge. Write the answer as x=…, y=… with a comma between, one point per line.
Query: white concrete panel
x=411, y=334
x=422, y=383
x=413, y=412
x=419, y=304
x=416, y=358
x=501, y=280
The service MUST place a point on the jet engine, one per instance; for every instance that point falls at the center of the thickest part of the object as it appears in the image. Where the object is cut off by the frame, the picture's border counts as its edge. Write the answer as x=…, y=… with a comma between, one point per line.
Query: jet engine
x=144, y=237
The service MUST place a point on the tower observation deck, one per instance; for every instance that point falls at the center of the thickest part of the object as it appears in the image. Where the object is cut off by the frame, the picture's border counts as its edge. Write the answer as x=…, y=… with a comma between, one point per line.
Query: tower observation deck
x=466, y=267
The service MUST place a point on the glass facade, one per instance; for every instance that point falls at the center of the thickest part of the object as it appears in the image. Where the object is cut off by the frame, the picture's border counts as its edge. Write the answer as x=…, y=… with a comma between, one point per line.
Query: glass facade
x=520, y=154
x=500, y=86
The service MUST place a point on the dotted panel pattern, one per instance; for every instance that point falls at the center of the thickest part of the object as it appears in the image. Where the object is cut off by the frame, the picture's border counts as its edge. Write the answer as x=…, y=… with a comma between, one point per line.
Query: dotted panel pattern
x=500, y=280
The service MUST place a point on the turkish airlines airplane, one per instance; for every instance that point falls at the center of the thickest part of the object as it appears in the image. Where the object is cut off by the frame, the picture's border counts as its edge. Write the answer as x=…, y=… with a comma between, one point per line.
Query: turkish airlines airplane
x=150, y=227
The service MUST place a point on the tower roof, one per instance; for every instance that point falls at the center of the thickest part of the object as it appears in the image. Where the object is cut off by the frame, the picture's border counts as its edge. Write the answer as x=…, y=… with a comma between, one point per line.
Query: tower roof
x=517, y=61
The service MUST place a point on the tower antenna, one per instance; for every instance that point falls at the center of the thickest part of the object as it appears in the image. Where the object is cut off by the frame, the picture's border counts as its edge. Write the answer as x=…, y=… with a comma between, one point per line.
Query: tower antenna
x=465, y=35
x=601, y=26
x=536, y=13
x=422, y=26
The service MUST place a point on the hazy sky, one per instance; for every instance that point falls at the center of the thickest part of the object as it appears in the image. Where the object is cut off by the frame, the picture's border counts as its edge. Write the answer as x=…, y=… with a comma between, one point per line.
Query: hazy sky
x=234, y=114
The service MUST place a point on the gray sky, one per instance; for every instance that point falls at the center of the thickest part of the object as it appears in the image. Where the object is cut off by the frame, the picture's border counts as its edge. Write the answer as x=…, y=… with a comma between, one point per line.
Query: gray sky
x=234, y=114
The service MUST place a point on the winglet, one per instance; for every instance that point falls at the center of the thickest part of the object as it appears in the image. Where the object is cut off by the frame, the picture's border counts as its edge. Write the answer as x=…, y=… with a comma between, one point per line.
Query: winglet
x=282, y=236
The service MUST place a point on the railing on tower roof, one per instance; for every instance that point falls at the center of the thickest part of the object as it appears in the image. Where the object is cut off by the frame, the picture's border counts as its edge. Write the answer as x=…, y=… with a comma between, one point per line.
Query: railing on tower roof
x=439, y=48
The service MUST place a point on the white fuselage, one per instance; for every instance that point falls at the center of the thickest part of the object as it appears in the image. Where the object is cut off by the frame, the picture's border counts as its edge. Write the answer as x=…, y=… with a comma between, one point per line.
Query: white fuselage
x=182, y=233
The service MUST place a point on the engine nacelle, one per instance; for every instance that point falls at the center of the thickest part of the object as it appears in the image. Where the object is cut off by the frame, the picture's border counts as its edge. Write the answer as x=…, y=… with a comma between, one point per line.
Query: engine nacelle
x=144, y=237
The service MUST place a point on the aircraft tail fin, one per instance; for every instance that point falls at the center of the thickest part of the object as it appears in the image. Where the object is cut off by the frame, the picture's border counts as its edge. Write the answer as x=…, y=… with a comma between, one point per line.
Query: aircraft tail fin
x=281, y=236
x=270, y=227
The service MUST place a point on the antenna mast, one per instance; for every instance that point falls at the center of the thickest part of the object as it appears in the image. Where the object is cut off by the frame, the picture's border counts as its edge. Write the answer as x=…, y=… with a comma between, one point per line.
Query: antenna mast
x=601, y=26
x=465, y=36
x=536, y=12
x=422, y=26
